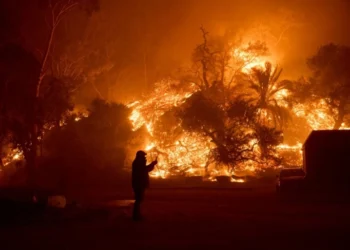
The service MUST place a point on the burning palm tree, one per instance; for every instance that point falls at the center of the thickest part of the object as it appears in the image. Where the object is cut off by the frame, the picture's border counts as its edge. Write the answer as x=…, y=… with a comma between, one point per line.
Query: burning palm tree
x=267, y=93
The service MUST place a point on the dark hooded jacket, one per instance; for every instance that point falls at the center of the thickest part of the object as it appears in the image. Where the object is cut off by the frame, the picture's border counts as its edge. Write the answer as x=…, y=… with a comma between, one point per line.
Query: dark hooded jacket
x=140, y=178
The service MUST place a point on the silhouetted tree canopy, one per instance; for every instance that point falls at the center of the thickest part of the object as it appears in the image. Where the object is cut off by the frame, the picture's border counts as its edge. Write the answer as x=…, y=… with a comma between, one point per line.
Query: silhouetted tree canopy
x=331, y=79
x=18, y=73
x=92, y=146
x=201, y=113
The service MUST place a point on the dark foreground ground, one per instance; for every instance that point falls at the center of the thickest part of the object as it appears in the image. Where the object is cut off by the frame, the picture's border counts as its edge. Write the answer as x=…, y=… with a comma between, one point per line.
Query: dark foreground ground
x=189, y=218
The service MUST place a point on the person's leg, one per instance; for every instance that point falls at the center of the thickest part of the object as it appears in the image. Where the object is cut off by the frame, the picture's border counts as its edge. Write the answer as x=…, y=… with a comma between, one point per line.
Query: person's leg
x=137, y=204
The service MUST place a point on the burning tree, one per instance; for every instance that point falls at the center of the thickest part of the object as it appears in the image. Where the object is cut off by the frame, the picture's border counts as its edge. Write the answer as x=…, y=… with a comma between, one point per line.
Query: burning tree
x=218, y=62
x=331, y=80
x=267, y=93
x=225, y=130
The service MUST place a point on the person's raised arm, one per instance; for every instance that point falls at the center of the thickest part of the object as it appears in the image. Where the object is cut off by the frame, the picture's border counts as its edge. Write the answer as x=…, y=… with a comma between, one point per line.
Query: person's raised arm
x=150, y=167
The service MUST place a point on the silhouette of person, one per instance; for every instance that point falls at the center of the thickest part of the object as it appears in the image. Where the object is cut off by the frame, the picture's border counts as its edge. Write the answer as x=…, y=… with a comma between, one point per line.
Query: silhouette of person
x=140, y=180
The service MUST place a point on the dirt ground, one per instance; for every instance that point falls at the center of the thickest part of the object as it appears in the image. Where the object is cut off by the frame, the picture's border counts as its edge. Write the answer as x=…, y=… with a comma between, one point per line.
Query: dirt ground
x=190, y=218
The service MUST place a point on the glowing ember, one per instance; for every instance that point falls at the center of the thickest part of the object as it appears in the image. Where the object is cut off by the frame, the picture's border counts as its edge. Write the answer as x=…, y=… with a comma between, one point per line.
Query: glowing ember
x=14, y=155
x=149, y=146
x=17, y=156
x=237, y=180
x=298, y=146
x=159, y=174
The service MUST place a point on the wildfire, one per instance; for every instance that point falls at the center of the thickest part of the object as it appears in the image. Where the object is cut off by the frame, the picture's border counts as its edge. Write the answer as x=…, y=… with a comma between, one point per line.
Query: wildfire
x=17, y=154
x=189, y=153
x=159, y=174
x=249, y=61
x=295, y=150
x=163, y=99
x=317, y=115
x=14, y=155
x=237, y=180
x=298, y=146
